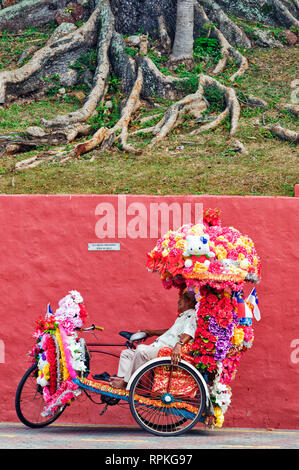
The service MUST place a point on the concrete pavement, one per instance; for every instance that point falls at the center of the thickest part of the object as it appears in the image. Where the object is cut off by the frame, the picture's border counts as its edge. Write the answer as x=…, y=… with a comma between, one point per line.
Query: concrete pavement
x=74, y=436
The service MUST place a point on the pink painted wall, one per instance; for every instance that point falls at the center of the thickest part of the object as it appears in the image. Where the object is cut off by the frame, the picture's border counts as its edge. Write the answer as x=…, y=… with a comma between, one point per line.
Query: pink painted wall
x=44, y=254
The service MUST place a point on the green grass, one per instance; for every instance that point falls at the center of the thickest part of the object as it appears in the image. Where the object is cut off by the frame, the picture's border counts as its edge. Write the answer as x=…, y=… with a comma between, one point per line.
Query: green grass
x=19, y=116
x=13, y=44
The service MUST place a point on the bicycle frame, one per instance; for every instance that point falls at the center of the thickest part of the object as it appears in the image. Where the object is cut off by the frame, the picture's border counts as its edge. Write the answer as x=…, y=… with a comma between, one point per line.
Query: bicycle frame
x=100, y=344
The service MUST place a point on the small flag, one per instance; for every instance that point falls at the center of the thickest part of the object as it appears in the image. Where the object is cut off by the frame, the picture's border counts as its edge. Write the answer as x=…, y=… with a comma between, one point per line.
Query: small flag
x=243, y=308
x=49, y=311
x=253, y=300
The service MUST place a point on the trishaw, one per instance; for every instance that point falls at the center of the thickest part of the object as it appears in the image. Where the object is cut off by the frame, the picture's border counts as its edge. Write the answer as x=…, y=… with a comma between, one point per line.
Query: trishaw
x=165, y=399
x=156, y=407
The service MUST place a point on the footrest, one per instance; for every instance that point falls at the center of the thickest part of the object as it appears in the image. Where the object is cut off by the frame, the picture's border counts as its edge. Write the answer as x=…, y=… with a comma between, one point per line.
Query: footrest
x=103, y=376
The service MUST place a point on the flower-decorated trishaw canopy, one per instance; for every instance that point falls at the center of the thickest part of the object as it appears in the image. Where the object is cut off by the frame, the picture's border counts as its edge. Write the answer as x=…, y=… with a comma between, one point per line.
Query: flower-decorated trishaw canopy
x=205, y=253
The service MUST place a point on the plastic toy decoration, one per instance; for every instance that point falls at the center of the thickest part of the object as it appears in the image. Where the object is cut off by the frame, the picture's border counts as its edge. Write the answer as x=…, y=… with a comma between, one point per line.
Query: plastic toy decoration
x=199, y=247
x=215, y=262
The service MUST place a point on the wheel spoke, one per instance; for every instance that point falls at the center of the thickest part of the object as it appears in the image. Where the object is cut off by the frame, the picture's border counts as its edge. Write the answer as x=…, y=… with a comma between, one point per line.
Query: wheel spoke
x=30, y=403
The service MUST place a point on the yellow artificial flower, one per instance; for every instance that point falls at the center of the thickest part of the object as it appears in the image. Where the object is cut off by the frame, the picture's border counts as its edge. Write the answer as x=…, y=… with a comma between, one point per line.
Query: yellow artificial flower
x=63, y=367
x=255, y=261
x=180, y=244
x=238, y=336
x=237, y=271
x=221, y=252
x=197, y=230
x=199, y=267
x=165, y=243
x=246, y=242
x=46, y=372
x=219, y=417
x=244, y=264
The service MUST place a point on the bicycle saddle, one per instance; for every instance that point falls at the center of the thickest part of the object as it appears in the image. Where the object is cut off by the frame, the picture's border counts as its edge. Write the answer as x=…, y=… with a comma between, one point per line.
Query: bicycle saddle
x=133, y=336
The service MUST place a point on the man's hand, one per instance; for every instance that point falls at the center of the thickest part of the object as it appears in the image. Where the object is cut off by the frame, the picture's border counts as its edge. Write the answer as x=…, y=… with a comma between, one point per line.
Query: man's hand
x=176, y=354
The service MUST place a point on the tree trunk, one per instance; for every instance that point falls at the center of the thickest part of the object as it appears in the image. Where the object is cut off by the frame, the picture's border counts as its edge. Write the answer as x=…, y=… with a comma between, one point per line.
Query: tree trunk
x=182, y=51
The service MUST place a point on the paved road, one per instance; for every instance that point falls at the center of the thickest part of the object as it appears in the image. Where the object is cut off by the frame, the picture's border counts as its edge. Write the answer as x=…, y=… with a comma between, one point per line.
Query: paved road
x=63, y=436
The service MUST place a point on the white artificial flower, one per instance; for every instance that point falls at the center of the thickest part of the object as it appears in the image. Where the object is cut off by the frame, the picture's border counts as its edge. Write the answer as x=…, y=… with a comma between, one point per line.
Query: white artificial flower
x=76, y=296
x=42, y=363
x=41, y=381
x=78, y=365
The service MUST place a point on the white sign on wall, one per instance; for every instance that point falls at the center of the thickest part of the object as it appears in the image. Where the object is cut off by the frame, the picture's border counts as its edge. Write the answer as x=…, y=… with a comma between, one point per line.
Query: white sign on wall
x=103, y=246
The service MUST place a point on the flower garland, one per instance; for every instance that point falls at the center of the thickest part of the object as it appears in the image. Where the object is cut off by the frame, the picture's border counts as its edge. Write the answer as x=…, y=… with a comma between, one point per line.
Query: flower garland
x=59, y=352
x=50, y=348
x=220, y=341
x=66, y=392
x=216, y=321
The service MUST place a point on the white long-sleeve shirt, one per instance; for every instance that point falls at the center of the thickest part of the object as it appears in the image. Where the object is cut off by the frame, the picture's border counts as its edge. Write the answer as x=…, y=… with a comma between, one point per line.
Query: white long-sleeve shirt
x=186, y=323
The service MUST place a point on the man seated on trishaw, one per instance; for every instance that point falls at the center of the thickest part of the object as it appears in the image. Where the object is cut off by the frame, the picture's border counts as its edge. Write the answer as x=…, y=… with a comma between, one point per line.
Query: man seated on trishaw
x=181, y=333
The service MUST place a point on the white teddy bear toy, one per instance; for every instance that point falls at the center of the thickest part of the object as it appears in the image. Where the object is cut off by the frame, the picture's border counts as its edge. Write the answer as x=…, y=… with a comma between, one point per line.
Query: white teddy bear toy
x=198, y=246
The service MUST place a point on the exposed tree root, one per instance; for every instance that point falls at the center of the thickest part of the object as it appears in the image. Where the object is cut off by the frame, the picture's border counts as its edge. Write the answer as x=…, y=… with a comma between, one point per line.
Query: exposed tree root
x=284, y=12
x=232, y=106
x=174, y=113
x=294, y=108
x=35, y=136
x=284, y=134
x=106, y=137
x=227, y=50
x=30, y=77
x=29, y=13
x=163, y=34
x=100, y=76
x=229, y=29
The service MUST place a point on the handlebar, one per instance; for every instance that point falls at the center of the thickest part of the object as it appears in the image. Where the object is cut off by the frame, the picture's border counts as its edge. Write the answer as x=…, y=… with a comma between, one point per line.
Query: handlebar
x=93, y=327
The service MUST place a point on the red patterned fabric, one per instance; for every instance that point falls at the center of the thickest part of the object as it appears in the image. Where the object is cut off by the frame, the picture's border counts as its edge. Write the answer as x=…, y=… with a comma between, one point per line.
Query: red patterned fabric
x=181, y=383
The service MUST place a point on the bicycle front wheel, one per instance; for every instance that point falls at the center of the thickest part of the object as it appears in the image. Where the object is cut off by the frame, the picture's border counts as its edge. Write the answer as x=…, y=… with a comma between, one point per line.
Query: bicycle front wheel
x=29, y=401
x=167, y=400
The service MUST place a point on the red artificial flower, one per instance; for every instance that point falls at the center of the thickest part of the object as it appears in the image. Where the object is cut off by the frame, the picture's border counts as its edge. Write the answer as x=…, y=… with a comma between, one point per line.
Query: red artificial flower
x=211, y=217
x=83, y=313
x=50, y=349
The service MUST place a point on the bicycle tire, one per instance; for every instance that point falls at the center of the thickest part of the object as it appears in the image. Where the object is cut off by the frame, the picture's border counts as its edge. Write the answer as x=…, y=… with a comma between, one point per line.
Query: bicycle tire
x=150, y=420
x=29, y=379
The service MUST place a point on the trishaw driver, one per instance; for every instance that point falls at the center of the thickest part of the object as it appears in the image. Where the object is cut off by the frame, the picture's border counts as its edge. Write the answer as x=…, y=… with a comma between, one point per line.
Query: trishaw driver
x=181, y=332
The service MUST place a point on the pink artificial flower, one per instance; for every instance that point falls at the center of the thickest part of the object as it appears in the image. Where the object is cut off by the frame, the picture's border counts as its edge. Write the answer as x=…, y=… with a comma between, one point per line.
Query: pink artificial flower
x=68, y=325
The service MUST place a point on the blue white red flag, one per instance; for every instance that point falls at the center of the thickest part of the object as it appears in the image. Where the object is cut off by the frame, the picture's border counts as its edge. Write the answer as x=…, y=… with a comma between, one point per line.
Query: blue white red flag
x=49, y=311
x=253, y=300
x=243, y=309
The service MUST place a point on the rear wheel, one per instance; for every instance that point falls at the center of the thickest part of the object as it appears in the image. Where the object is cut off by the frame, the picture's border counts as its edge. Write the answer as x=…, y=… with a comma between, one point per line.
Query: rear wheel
x=166, y=399
x=29, y=401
